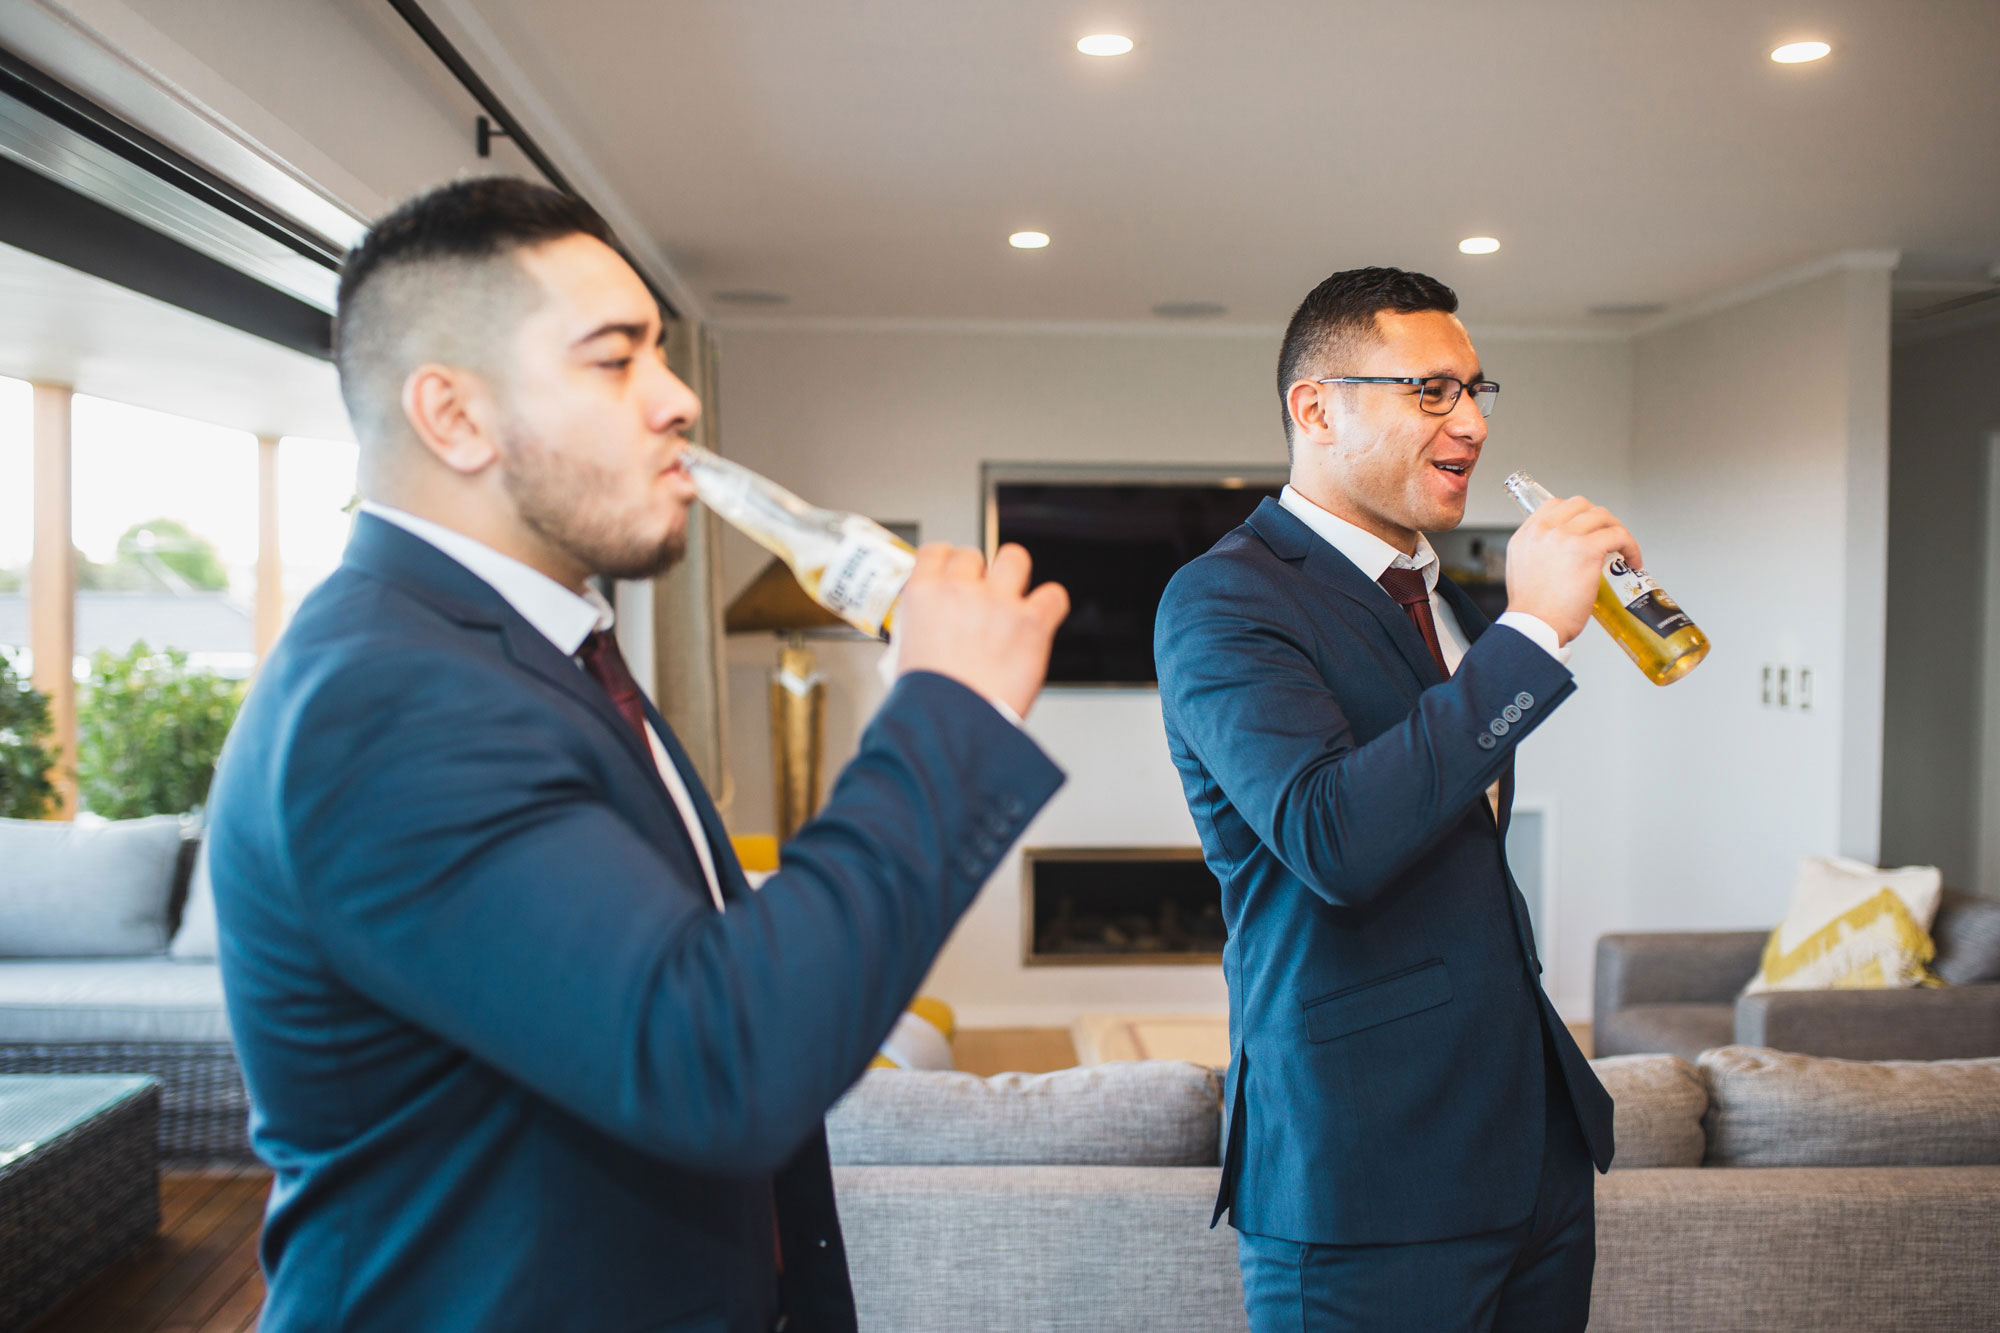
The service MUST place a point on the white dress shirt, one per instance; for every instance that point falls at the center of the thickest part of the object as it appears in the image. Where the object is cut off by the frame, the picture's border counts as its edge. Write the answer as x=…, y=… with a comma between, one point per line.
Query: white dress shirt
x=565, y=619
x=1371, y=555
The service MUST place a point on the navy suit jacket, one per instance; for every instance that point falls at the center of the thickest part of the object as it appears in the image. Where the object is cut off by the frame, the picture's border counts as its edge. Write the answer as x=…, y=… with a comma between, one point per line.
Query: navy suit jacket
x=511, y=1068
x=1386, y=1016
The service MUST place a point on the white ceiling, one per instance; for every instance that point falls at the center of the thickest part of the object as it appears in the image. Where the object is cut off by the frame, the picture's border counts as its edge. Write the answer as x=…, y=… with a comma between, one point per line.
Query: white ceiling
x=869, y=158
x=66, y=327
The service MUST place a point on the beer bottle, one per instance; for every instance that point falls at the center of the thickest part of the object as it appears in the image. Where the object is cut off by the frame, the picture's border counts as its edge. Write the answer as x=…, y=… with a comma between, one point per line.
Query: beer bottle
x=852, y=566
x=1636, y=612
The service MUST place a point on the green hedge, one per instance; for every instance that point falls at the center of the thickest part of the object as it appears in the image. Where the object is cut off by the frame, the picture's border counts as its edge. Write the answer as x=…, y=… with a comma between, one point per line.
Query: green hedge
x=25, y=756
x=149, y=731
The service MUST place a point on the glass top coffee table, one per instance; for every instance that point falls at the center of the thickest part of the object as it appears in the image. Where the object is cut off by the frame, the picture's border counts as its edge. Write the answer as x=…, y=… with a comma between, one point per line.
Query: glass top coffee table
x=79, y=1182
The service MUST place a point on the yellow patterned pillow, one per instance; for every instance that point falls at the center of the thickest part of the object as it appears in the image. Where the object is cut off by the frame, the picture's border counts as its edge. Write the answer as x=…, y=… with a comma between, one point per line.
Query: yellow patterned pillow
x=1852, y=926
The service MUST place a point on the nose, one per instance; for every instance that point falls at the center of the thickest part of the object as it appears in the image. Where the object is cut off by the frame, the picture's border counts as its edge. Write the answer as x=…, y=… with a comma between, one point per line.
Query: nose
x=671, y=407
x=1465, y=421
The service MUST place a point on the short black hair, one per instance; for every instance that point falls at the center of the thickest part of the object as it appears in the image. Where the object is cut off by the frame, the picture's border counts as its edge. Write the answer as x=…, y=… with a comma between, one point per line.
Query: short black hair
x=423, y=284
x=1339, y=315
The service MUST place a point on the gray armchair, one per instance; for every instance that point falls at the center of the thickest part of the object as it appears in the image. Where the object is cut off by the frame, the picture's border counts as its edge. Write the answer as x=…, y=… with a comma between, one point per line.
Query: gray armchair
x=1683, y=993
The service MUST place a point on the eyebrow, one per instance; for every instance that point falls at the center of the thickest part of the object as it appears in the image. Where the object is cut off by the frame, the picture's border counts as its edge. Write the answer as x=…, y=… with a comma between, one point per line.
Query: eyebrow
x=636, y=331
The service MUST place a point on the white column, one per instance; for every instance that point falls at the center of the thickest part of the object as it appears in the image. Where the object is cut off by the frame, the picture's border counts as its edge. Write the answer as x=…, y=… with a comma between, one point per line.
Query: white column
x=270, y=560
x=52, y=584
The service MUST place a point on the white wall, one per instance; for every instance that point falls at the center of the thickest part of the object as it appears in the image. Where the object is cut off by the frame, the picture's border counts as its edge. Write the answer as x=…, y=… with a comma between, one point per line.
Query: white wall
x=1760, y=476
x=896, y=423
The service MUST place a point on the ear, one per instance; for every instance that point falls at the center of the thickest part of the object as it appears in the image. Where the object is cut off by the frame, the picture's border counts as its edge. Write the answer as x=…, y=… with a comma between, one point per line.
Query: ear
x=452, y=413
x=1305, y=402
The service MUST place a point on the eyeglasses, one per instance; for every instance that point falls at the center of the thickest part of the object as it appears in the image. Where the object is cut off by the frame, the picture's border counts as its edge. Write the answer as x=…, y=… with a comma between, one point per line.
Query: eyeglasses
x=1438, y=393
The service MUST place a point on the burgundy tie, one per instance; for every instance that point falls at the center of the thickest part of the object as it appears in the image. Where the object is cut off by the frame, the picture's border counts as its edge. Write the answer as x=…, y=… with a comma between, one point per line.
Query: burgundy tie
x=1407, y=586
x=606, y=665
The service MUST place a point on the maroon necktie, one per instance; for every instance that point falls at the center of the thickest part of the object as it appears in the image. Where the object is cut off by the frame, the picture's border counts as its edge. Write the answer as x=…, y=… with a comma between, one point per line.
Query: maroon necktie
x=1407, y=587
x=606, y=665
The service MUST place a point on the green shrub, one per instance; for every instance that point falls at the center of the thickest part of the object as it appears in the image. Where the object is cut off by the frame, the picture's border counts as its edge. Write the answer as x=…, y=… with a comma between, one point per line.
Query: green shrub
x=25, y=756
x=149, y=731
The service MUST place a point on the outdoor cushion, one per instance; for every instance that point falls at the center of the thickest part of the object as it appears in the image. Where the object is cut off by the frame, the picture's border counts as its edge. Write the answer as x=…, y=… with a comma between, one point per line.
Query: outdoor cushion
x=110, y=1000
x=86, y=890
x=196, y=937
x=1967, y=931
x=1774, y=1108
x=1658, y=1105
x=1137, y=1113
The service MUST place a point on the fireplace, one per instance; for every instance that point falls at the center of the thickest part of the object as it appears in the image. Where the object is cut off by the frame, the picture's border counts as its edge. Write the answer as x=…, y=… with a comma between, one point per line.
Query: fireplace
x=1096, y=905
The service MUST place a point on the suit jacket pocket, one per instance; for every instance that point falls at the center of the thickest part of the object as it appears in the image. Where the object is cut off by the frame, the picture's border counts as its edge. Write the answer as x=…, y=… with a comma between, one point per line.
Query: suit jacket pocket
x=1398, y=995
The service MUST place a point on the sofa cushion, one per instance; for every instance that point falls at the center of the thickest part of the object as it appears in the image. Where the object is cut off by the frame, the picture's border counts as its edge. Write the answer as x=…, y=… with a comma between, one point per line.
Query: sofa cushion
x=1967, y=931
x=110, y=1000
x=196, y=937
x=1658, y=1105
x=86, y=890
x=1685, y=1030
x=1852, y=926
x=1774, y=1108
x=1137, y=1113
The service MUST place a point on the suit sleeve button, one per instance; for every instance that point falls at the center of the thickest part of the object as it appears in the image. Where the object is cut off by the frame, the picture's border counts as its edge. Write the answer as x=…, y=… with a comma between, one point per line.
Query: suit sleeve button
x=1511, y=713
x=1524, y=700
x=1497, y=726
x=1486, y=742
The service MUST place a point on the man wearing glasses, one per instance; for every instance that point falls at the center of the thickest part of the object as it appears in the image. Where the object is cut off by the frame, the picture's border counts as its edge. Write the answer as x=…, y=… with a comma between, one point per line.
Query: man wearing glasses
x=1410, y=1128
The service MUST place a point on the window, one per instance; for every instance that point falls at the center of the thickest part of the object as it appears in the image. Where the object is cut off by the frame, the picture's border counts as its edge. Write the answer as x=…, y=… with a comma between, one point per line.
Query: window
x=316, y=491
x=164, y=515
x=17, y=514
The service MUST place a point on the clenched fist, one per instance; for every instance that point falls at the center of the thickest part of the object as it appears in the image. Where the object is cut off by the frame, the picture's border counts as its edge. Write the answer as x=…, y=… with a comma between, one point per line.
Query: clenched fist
x=980, y=626
x=1555, y=561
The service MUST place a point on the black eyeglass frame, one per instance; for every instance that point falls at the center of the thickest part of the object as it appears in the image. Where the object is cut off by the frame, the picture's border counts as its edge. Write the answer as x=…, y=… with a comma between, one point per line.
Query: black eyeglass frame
x=1491, y=387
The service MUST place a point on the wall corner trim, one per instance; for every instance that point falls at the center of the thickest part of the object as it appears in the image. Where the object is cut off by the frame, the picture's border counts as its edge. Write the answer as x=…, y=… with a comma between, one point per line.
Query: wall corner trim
x=1870, y=260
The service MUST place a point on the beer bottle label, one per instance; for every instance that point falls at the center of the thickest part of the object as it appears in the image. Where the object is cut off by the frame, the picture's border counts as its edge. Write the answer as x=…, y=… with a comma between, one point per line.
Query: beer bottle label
x=864, y=578
x=1637, y=593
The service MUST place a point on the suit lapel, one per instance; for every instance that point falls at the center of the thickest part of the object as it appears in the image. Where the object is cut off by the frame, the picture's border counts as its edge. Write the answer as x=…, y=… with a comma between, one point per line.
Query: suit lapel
x=384, y=551
x=1292, y=540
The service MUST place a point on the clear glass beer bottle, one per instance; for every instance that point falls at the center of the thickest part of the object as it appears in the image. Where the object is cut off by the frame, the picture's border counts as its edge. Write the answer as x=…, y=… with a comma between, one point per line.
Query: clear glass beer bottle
x=1661, y=639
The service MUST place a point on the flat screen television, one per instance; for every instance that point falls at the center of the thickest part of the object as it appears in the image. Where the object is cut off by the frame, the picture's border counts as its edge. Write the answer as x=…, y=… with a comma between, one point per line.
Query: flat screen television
x=1113, y=538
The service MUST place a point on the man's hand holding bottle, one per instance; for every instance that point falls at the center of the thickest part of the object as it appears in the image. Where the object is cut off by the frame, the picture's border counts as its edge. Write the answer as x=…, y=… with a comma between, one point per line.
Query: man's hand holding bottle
x=978, y=624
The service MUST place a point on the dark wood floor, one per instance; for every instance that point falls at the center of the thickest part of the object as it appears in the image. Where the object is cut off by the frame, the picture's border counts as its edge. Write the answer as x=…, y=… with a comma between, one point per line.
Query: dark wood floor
x=199, y=1275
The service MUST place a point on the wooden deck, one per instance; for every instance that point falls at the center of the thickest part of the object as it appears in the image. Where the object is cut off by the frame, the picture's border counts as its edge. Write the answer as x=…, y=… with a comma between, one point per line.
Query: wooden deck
x=199, y=1275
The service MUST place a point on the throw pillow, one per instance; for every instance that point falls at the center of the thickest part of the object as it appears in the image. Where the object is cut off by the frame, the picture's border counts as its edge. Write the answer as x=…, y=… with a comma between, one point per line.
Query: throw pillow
x=1776, y=1108
x=1852, y=926
x=86, y=890
x=196, y=939
x=1967, y=932
x=1142, y=1113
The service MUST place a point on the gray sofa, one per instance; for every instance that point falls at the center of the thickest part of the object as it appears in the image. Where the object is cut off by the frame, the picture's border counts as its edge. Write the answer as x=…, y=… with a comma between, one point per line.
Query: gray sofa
x=107, y=966
x=1682, y=993
x=1757, y=1190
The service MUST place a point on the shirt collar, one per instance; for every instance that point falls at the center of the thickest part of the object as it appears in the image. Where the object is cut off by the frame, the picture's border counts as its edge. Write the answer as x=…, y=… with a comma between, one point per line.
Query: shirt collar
x=1369, y=553
x=564, y=618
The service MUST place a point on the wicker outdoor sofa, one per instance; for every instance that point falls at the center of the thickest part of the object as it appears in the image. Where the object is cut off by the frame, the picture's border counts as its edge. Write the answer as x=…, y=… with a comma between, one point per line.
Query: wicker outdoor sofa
x=157, y=1012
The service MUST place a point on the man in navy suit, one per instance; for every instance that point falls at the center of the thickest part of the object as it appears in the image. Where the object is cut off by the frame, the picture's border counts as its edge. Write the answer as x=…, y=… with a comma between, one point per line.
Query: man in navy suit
x=1410, y=1128
x=524, y=1050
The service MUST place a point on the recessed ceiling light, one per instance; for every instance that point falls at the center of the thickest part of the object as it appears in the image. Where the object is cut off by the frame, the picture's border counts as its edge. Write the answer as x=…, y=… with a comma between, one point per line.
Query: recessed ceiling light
x=1798, y=53
x=1028, y=240
x=1478, y=245
x=1190, y=309
x=1105, y=44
